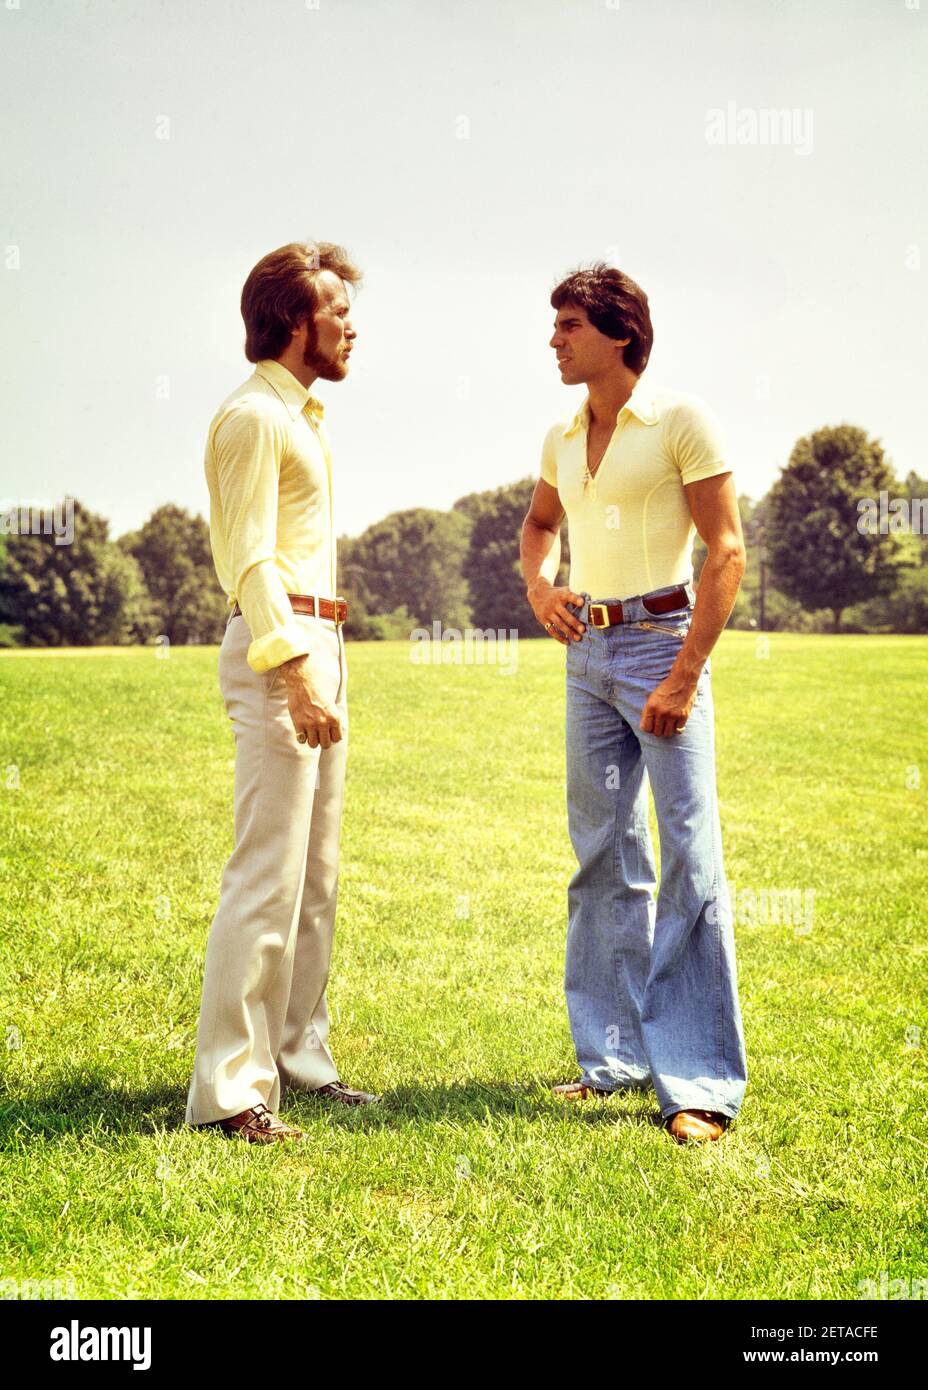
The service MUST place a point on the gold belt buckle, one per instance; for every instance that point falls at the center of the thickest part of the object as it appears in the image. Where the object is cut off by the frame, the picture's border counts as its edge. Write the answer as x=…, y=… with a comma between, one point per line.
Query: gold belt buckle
x=339, y=622
x=605, y=615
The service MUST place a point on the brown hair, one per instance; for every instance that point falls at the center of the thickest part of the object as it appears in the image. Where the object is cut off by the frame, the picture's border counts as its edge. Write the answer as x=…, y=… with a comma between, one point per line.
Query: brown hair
x=615, y=305
x=280, y=293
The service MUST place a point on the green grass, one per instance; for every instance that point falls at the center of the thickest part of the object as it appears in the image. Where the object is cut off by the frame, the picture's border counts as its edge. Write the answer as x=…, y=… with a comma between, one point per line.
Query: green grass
x=470, y=1180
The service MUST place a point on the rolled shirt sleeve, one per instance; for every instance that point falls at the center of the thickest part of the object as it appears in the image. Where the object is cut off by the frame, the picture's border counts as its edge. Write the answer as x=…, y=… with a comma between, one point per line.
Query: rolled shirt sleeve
x=249, y=443
x=696, y=440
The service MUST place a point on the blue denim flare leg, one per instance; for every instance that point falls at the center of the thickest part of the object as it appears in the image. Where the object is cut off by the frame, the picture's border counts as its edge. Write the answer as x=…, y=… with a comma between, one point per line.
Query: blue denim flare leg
x=651, y=986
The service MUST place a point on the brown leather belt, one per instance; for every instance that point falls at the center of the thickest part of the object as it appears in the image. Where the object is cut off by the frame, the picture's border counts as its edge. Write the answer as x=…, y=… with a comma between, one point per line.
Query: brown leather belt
x=609, y=613
x=334, y=609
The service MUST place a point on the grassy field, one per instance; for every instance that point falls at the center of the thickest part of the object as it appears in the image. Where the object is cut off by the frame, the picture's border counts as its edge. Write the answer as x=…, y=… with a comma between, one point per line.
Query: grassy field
x=470, y=1180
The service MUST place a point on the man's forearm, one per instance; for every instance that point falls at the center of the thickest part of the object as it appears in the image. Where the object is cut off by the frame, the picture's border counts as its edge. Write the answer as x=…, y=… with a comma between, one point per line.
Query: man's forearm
x=540, y=554
x=718, y=588
x=293, y=669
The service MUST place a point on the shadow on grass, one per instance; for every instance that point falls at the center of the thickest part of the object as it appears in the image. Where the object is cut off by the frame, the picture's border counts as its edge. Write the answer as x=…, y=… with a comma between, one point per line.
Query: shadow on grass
x=90, y=1104
x=474, y=1099
x=94, y=1104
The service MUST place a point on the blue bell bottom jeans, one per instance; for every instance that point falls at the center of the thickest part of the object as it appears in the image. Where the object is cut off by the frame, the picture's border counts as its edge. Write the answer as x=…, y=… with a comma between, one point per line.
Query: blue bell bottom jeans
x=650, y=976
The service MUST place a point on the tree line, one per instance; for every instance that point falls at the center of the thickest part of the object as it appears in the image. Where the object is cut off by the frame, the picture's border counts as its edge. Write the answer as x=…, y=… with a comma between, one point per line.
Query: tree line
x=838, y=543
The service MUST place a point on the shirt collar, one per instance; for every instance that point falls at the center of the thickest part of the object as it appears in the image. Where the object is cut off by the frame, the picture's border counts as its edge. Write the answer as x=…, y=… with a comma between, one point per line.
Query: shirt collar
x=295, y=397
x=641, y=403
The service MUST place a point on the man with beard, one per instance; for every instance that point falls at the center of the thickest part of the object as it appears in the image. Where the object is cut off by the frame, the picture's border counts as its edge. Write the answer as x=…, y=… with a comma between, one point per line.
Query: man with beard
x=263, y=1020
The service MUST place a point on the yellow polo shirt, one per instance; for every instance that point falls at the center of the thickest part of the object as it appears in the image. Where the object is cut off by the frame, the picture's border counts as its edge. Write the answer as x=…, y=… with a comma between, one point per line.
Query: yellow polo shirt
x=631, y=530
x=271, y=522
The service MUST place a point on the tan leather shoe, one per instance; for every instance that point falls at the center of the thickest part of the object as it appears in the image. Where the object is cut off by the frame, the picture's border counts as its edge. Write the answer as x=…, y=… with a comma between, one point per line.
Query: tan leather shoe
x=697, y=1126
x=577, y=1090
x=338, y=1091
x=257, y=1126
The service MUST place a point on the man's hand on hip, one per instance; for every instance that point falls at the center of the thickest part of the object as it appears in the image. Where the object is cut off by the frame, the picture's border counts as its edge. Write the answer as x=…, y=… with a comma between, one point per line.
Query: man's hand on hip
x=316, y=721
x=549, y=604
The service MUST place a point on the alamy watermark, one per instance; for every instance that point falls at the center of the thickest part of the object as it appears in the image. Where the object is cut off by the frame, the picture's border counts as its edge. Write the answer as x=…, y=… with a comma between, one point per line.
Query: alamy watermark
x=39, y=519
x=37, y=1289
x=760, y=125
x=475, y=646
x=792, y=907
x=87, y=1343
x=884, y=1288
x=890, y=516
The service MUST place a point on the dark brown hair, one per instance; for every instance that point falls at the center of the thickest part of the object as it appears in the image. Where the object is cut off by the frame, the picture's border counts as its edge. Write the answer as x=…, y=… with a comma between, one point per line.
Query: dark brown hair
x=280, y=293
x=615, y=305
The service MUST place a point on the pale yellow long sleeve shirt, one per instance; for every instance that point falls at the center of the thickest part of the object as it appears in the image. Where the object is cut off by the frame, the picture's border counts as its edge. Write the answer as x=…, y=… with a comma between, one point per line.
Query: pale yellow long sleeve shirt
x=272, y=526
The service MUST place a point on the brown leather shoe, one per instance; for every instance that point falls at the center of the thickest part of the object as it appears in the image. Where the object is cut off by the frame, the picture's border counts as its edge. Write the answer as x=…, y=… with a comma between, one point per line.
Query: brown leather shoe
x=697, y=1126
x=337, y=1090
x=577, y=1090
x=257, y=1126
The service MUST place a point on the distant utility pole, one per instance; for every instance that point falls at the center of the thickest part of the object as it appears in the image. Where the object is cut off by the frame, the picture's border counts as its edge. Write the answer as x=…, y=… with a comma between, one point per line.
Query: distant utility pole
x=758, y=539
x=763, y=584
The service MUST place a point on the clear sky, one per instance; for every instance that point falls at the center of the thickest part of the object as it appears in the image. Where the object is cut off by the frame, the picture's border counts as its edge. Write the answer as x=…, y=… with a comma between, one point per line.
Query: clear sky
x=787, y=279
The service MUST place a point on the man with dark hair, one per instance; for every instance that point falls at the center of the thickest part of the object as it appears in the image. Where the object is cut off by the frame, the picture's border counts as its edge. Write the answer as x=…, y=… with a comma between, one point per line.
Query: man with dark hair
x=263, y=1018
x=651, y=987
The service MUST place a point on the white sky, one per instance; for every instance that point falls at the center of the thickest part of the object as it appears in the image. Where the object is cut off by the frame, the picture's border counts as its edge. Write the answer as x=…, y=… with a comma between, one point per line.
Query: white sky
x=587, y=137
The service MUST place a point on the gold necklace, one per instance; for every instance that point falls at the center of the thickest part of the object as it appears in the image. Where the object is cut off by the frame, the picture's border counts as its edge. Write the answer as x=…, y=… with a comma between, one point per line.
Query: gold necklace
x=588, y=477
